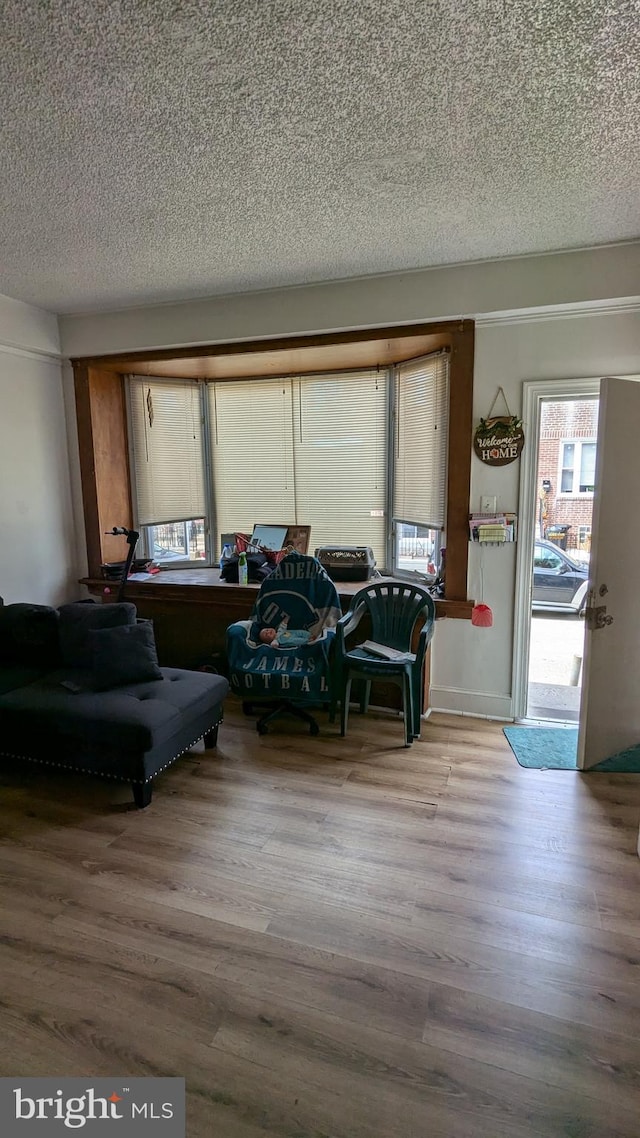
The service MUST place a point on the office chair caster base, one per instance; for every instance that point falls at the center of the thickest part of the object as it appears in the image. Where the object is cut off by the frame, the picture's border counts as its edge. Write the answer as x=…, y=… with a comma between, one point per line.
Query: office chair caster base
x=287, y=708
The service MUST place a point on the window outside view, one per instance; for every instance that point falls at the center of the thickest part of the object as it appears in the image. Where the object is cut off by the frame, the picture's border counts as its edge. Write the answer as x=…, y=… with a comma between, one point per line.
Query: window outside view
x=417, y=550
x=177, y=541
x=565, y=485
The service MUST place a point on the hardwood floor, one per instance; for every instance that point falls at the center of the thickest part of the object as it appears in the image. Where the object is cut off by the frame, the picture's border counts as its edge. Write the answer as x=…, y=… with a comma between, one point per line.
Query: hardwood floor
x=334, y=938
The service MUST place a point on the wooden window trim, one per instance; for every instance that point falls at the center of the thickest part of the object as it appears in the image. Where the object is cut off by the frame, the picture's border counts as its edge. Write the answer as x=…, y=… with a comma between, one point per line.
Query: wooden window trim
x=102, y=429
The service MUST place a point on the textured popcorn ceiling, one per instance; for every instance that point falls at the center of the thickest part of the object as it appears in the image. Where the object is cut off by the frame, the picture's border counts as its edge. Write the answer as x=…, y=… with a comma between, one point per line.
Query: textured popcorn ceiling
x=164, y=149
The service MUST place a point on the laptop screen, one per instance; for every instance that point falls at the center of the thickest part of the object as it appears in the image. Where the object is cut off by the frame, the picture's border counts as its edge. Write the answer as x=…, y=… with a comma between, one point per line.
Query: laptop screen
x=271, y=537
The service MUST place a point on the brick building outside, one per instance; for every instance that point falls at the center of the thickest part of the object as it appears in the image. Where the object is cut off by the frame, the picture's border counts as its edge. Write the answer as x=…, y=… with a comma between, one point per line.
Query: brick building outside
x=566, y=470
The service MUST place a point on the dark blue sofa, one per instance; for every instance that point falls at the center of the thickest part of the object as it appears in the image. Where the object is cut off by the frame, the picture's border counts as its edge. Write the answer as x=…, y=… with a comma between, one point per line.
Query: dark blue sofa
x=51, y=713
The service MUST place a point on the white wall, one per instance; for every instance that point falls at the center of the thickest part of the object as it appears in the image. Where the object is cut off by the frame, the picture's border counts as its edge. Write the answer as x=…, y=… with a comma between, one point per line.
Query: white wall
x=591, y=276
x=24, y=327
x=38, y=553
x=472, y=666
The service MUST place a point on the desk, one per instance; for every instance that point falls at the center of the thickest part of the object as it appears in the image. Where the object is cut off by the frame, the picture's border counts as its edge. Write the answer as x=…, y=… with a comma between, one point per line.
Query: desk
x=192, y=608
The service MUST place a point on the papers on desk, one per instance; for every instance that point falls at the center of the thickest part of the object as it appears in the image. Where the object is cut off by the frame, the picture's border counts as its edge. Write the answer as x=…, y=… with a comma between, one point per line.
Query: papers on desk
x=393, y=655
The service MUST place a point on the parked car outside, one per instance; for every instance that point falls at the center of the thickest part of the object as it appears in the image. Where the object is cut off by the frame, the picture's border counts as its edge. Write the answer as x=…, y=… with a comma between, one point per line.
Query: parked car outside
x=559, y=583
x=161, y=553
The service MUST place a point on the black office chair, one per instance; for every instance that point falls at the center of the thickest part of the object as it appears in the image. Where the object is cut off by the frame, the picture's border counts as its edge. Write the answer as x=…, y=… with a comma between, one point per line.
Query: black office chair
x=300, y=596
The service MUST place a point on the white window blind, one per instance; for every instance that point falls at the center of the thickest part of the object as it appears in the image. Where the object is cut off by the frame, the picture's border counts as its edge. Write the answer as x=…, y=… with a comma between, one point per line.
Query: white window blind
x=252, y=453
x=421, y=429
x=166, y=444
x=308, y=451
x=340, y=443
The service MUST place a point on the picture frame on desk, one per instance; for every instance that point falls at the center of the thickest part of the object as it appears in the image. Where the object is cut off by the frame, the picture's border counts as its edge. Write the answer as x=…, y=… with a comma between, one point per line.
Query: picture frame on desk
x=299, y=537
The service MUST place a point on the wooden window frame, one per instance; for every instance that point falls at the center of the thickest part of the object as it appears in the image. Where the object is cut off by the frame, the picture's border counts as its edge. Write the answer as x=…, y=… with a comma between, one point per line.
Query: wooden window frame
x=102, y=423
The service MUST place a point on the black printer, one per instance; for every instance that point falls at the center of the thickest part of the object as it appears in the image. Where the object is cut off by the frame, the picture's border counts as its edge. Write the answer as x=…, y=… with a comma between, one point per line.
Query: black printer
x=347, y=562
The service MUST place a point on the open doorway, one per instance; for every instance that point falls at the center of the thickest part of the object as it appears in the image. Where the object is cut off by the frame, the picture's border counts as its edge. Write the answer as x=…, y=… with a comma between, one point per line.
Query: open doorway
x=564, y=481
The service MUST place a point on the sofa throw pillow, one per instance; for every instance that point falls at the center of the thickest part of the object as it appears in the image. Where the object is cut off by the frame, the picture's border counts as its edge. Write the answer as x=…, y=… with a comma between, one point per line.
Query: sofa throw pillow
x=123, y=655
x=29, y=635
x=78, y=620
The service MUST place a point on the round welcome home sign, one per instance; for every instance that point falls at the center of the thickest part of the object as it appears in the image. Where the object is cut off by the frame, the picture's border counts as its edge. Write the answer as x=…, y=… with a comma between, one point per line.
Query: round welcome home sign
x=499, y=440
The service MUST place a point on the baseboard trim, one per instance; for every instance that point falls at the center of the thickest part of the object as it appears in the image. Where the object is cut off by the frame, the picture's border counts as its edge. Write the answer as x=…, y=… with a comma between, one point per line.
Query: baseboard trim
x=482, y=705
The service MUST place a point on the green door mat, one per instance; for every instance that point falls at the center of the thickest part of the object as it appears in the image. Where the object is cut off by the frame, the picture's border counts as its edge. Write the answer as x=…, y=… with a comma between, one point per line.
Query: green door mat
x=555, y=748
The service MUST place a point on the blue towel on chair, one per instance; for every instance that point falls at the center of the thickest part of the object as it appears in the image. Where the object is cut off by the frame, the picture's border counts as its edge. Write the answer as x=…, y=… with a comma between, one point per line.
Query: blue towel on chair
x=298, y=596
x=299, y=593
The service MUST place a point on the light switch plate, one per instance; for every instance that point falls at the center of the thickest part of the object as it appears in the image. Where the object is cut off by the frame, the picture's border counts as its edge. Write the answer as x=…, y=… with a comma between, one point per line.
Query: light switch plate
x=488, y=503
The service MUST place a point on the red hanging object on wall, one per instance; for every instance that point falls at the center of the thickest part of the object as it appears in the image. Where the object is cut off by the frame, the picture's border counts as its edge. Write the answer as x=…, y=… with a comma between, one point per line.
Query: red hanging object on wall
x=481, y=616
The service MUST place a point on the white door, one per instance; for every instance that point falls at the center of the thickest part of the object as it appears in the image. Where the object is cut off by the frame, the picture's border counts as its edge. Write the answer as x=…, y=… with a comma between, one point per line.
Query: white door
x=610, y=707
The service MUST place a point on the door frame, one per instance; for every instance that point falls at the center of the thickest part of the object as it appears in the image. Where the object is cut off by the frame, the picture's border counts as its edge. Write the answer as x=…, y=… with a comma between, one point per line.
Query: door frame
x=534, y=393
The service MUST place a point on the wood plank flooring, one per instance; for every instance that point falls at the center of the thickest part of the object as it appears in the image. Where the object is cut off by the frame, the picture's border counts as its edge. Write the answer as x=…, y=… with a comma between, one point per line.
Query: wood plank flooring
x=334, y=938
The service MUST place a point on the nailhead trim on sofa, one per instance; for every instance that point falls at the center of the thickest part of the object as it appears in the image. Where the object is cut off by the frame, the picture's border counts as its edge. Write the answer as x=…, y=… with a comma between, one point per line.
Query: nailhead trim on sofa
x=103, y=774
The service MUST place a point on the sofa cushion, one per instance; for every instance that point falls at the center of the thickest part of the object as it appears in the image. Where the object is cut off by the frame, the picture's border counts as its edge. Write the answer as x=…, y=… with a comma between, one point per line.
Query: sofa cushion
x=78, y=619
x=29, y=636
x=123, y=655
x=16, y=676
x=135, y=717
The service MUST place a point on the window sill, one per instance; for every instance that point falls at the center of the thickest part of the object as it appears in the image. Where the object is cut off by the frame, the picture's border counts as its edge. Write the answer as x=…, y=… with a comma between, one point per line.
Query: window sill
x=203, y=586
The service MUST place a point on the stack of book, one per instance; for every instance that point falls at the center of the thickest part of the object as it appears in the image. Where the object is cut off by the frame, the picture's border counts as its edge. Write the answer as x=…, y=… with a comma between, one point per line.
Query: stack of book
x=492, y=529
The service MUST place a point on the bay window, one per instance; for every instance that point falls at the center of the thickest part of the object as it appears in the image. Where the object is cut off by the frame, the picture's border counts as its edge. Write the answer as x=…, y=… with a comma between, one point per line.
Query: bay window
x=421, y=420
x=360, y=456
x=190, y=443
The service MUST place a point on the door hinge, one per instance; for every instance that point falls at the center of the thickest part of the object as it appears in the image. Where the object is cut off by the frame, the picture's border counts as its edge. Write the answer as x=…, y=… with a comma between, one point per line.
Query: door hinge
x=596, y=617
